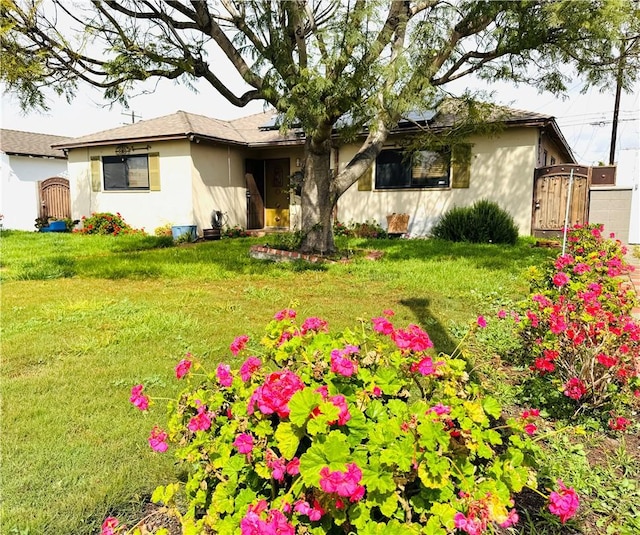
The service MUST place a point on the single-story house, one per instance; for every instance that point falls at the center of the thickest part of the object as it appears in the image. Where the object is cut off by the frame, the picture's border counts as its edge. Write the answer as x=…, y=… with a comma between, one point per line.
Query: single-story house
x=179, y=168
x=33, y=179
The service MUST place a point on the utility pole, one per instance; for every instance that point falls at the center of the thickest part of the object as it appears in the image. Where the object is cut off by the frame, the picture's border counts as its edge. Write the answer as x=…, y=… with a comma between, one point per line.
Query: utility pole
x=133, y=116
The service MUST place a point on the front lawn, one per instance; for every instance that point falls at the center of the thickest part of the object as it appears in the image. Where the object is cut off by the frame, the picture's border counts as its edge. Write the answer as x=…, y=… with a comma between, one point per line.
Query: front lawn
x=87, y=317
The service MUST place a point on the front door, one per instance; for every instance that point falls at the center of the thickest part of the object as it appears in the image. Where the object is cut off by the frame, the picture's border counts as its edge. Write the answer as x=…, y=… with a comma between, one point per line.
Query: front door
x=254, y=175
x=277, y=193
x=55, y=199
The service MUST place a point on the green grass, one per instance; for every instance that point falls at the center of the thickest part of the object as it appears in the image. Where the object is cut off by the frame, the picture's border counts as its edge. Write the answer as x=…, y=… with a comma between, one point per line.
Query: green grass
x=86, y=317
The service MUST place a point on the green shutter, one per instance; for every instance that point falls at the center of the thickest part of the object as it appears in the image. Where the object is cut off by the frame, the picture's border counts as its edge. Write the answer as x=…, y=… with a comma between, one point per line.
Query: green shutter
x=154, y=171
x=95, y=173
x=364, y=182
x=461, y=166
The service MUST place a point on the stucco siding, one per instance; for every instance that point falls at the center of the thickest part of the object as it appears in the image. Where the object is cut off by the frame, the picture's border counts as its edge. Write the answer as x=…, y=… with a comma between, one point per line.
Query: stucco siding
x=502, y=169
x=19, y=194
x=218, y=184
x=173, y=204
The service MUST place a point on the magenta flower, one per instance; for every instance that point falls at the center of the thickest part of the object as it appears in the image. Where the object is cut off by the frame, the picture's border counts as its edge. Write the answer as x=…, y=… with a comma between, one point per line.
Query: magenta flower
x=277, y=466
x=502, y=314
x=482, y=322
x=274, y=395
x=244, y=443
x=109, y=525
x=138, y=398
x=223, y=373
x=511, y=520
x=383, y=326
x=564, y=503
x=183, y=368
x=560, y=279
x=251, y=365
x=284, y=314
x=439, y=409
x=201, y=421
x=341, y=402
x=345, y=484
x=238, y=344
x=313, y=324
x=293, y=466
x=342, y=365
x=574, y=388
x=470, y=525
x=376, y=392
x=412, y=339
x=619, y=423
x=530, y=428
x=314, y=512
x=158, y=439
x=426, y=366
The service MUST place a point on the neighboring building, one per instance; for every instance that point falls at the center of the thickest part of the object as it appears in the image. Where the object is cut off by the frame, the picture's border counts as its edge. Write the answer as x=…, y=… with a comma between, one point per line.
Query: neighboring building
x=179, y=168
x=33, y=179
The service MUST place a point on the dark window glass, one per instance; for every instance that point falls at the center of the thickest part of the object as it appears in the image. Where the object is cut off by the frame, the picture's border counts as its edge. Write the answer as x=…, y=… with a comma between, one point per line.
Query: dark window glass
x=396, y=169
x=125, y=172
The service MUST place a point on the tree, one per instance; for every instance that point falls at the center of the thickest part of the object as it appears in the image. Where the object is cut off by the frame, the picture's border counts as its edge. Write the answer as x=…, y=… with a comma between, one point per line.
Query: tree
x=336, y=67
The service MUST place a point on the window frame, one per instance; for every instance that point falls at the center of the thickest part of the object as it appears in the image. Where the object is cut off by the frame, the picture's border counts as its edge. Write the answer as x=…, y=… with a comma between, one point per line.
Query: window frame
x=125, y=173
x=403, y=177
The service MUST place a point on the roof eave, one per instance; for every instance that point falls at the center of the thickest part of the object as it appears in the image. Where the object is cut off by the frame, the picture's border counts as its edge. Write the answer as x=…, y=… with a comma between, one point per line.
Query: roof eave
x=32, y=155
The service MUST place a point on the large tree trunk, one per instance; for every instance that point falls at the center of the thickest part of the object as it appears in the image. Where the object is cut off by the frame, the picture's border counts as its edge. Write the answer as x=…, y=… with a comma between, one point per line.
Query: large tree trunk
x=318, y=198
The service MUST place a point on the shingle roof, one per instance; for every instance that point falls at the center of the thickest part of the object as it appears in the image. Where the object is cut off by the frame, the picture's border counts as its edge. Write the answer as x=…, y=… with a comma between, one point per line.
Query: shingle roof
x=248, y=131
x=16, y=142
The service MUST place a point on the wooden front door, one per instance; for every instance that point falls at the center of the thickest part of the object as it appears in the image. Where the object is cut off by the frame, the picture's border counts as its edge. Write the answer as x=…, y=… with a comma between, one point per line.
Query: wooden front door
x=277, y=193
x=254, y=175
x=551, y=194
x=55, y=199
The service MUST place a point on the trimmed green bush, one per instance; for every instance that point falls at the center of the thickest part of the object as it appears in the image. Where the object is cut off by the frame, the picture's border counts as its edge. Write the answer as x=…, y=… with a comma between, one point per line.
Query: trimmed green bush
x=483, y=222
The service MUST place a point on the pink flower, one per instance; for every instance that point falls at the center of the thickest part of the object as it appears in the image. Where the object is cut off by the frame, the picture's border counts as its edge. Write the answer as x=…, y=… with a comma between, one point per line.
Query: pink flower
x=575, y=388
x=244, y=443
x=201, y=421
x=606, y=360
x=502, y=314
x=251, y=365
x=426, y=366
x=388, y=313
x=530, y=428
x=470, y=525
x=277, y=466
x=560, y=279
x=439, y=409
x=341, y=402
x=618, y=424
x=284, y=314
x=511, y=520
x=183, y=368
x=238, y=344
x=158, y=439
x=563, y=503
x=313, y=324
x=345, y=484
x=383, y=326
x=314, y=513
x=138, y=398
x=413, y=339
x=581, y=268
x=482, y=322
x=342, y=365
x=293, y=467
x=109, y=525
x=376, y=392
x=223, y=373
x=274, y=395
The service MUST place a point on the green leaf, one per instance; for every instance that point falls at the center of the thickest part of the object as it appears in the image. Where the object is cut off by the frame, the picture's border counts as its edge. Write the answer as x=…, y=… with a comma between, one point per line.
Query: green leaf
x=388, y=381
x=376, y=478
x=302, y=404
x=288, y=439
x=400, y=453
x=492, y=407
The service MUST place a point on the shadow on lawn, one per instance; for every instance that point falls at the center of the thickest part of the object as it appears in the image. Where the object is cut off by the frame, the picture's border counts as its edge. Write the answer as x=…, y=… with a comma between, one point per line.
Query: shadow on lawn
x=437, y=332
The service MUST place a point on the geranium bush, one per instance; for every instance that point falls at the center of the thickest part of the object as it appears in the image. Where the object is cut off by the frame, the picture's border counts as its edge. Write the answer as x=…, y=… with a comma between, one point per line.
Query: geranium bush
x=106, y=223
x=366, y=431
x=580, y=340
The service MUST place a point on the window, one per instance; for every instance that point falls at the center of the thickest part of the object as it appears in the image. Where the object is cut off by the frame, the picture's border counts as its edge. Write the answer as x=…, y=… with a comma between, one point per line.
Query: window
x=125, y=172
x=396, y=169
x=553, y=160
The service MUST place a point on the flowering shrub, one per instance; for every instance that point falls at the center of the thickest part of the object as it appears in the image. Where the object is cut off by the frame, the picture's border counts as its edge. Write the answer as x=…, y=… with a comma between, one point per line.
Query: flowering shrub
x=580, y=339
x=365, y=431
x=368, y=229
x=234, y=232
x=106, y=223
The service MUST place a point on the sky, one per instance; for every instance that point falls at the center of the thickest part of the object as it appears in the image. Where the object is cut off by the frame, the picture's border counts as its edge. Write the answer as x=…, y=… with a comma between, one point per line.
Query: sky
x=584, y=119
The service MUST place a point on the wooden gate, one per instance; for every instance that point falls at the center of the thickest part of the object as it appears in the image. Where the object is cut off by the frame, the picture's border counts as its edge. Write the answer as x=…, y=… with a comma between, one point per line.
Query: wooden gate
x=55, y=199
x=551, y=194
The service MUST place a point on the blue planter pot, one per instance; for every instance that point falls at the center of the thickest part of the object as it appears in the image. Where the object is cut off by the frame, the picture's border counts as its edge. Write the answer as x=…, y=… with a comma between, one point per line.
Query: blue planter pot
x=180, y=230
x=55, y=226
